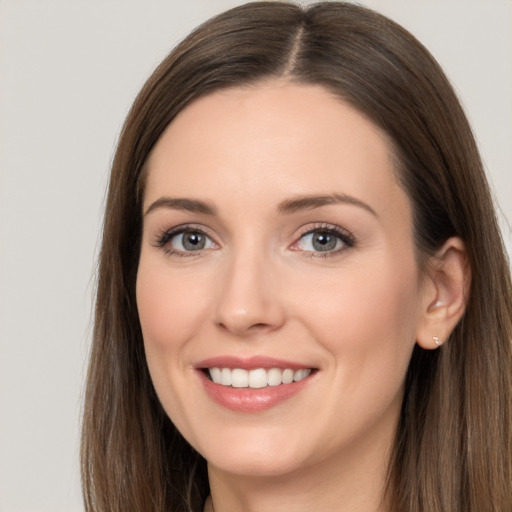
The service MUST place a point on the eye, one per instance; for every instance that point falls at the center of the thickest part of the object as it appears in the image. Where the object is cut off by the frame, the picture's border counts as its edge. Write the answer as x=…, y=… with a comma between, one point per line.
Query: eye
x=327, y=240
x=185, y=240
x=190, y=241
x=321, y=241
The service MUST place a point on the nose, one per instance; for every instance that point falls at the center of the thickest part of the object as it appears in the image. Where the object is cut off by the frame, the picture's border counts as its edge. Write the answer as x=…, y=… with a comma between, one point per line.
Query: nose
x=249, y=298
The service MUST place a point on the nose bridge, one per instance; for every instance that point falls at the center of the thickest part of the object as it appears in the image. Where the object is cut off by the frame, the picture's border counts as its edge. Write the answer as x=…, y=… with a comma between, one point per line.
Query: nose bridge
x=248, y=300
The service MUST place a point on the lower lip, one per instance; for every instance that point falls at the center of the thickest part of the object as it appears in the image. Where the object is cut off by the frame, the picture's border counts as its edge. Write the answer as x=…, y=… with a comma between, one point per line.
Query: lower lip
x=250, y=399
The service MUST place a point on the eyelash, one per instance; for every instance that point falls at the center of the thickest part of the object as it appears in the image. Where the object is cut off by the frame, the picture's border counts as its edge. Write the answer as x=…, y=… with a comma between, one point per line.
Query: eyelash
x=347, y=239
x=166, y=236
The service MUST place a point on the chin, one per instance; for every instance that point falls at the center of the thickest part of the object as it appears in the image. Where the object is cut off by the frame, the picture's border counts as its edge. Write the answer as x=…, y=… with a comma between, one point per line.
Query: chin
x=254, y=466
x=250, y=453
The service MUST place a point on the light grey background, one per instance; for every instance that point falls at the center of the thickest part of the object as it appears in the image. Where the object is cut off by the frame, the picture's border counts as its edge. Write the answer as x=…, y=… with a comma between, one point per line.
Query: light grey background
x=69, y=70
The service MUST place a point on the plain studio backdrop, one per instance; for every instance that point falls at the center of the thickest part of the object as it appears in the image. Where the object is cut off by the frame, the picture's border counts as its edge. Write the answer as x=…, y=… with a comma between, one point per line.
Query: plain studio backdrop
x=69, y=71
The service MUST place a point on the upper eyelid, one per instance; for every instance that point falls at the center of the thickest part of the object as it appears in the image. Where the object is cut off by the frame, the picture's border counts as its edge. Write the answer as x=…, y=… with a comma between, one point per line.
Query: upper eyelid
x=348, y=239
x=333, y=228
x=169, y=233
x=180, y=228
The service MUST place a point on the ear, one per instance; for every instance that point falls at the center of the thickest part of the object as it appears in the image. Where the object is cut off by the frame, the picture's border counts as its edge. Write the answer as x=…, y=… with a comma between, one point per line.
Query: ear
x=446, y=290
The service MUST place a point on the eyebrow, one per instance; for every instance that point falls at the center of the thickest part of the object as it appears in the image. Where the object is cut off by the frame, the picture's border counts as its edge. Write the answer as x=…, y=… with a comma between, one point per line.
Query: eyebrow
x=286, y=207
x=190, y=205
x=301, y=203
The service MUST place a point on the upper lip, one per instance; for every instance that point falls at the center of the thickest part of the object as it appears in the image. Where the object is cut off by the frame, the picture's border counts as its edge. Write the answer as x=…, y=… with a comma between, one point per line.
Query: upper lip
x=249, y=363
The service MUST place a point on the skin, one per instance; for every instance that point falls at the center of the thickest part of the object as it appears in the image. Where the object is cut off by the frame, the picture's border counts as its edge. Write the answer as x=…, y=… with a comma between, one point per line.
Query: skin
x=260, y=288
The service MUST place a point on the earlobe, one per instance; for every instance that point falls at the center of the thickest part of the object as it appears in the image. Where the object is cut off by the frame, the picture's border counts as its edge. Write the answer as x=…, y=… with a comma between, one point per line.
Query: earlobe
x=446, y=295
x=438, y=342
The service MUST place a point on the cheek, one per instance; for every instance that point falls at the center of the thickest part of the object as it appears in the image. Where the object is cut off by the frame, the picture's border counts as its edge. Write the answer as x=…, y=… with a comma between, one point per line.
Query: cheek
x=170, y=306
x=366, y=318
x=365, y=321
x=381, y=307
x=171, y=311
x=359, y=300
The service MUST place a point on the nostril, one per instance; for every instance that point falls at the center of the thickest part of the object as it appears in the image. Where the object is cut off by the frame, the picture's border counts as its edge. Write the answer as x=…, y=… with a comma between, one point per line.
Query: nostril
x=242, y=329
x=246, y=319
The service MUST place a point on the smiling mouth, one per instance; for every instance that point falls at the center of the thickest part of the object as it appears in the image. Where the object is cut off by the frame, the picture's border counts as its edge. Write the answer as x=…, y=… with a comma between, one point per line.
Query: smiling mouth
x=257, y=378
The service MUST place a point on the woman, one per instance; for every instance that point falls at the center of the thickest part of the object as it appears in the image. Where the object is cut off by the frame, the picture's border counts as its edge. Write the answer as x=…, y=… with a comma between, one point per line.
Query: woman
x=303, y=298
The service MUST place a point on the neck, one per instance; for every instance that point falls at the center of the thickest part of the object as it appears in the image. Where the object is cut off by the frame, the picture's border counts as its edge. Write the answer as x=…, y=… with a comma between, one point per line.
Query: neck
x=355, y=484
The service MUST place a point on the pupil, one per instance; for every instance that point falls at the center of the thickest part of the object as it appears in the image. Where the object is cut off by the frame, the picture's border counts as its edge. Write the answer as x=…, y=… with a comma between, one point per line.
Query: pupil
x=324, y=241
x=193, y=241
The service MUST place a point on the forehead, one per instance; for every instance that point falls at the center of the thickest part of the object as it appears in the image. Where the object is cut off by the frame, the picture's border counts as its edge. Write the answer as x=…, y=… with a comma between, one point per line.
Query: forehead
x=268, y=140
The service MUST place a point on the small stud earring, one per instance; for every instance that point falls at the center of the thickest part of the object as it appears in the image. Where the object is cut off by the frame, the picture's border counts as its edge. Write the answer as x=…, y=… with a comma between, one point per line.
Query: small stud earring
x=437, y=341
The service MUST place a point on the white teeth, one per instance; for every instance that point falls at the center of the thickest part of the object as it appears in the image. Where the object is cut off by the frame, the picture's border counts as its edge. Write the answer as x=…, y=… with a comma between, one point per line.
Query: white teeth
x=287, y=376
x=239, y=378
x=258, y=378
x=274, y=377
x=225, y=377
x=215, y=374
x=301, y=374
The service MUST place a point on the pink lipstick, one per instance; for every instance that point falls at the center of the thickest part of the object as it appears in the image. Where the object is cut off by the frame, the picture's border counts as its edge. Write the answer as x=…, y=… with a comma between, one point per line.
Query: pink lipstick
x=252, y=384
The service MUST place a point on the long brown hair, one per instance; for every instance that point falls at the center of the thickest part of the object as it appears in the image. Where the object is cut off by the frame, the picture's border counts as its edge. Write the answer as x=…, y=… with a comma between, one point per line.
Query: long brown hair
x=453, y=446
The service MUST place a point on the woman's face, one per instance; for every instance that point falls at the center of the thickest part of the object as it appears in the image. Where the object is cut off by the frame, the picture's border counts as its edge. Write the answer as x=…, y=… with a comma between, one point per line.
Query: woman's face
x=277, y=244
